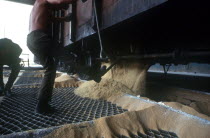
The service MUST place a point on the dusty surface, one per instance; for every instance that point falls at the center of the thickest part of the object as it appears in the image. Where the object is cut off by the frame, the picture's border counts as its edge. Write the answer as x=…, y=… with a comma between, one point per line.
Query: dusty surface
x=148, y=115
x=143, y=114
x=66, y=80
x=127, y=77
x=135, y=104
x=186, y=109
x=115, y=85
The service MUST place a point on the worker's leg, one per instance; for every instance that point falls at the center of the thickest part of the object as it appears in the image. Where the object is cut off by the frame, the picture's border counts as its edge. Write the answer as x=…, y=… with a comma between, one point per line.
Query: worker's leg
x=46, y=88
x=41, y=45
x=1, y=80
x=15, y=69
x=47, y=82
x=1, y=76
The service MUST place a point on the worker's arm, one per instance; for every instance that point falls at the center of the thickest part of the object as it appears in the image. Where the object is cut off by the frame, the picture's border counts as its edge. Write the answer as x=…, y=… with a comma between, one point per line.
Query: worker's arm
x=62, y=19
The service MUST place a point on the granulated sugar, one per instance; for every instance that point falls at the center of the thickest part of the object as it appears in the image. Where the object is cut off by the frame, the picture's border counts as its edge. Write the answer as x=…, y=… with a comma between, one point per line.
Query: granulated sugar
x=132, y=74
x=66, y=80
x=186, y=109
x=103, y=90
x=154, y=117
x=143, y=114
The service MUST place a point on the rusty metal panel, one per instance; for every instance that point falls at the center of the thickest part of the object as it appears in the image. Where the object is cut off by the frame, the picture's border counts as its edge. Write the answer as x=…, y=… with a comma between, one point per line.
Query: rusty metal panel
x=84, y=12
x=115, y=11
x=112, y=12
x=67, y=28
x=85, y=19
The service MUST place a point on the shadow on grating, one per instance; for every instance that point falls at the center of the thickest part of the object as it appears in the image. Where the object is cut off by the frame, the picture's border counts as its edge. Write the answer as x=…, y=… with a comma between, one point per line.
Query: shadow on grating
x=17, y=113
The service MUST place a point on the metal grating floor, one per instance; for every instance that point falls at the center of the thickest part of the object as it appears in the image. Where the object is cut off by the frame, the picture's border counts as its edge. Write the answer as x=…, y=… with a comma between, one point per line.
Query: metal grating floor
x=17, y=113
x=24, y=73
x=31, y=73
x=27, y=77
x=152, y=134
x=29, y=80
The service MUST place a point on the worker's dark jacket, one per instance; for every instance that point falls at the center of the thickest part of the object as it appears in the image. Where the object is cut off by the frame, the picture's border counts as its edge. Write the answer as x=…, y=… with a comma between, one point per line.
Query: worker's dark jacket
x=9, y=55
x=9, y=52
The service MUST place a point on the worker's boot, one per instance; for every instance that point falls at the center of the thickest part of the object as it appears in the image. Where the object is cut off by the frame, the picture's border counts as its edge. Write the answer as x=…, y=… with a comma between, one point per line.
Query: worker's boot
x=8, y=93
x=44, y=108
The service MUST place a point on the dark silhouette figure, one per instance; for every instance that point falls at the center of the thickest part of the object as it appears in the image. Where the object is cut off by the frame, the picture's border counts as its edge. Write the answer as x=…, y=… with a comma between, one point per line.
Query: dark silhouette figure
x=9, y=55
x=41, y=44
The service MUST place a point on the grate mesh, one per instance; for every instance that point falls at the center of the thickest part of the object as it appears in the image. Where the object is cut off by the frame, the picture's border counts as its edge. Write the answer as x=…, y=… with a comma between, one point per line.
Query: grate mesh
x=17, y=113
x=152, y=134
x=27, y=77
x=24, y=73
x=32, y=73
x=29, y=80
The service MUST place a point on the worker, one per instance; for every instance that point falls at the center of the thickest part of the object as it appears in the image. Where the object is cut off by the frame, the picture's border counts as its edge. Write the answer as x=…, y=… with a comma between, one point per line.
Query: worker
x=9, y=55
x=41, y=44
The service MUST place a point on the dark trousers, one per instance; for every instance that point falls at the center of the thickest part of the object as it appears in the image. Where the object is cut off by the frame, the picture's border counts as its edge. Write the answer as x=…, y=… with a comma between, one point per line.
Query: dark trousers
x=40, y=44
x=48, y=80
x=15, y=69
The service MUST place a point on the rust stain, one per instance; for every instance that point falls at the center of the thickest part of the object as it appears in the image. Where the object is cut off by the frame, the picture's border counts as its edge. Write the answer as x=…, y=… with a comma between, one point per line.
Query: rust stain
x=108, y=5
x=84, y=12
